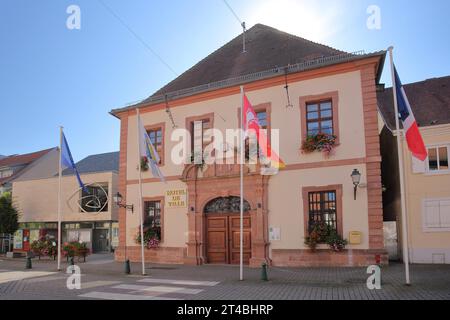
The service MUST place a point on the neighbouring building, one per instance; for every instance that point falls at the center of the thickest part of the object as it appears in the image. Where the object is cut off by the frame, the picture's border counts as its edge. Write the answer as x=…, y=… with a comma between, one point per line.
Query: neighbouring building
x=89, y=216
x=197, y=210
x=13, y=167
x=427, y=184
x=17, y=166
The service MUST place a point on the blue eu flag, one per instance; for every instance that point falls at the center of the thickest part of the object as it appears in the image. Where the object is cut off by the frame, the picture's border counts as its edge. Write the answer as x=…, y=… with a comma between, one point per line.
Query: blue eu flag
x=67, y=161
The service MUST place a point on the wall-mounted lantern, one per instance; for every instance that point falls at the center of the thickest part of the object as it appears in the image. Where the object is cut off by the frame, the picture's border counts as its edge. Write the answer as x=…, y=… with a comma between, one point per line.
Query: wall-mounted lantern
x=356, y=179
x=118, y=201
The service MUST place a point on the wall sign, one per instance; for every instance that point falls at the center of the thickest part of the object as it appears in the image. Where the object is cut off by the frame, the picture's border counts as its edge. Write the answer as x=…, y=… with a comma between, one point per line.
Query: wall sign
x=274, y=234
x=18, y=240
x=176, y=198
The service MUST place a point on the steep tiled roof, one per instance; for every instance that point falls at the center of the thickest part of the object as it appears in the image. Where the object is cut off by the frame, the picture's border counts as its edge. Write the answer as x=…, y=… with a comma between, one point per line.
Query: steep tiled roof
x=97, y=163
x=269, y=53
x=266, y=48
x=22, y=159
x=429, y=99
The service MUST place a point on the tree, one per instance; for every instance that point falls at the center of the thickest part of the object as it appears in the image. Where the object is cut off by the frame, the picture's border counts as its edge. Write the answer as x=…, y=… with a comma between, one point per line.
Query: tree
x=9, y=216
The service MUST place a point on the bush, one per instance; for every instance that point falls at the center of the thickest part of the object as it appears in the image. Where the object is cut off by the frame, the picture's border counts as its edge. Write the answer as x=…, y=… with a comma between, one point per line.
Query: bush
x=323, y=233
x=75, y=249
x=151, y=239
x=45, y=247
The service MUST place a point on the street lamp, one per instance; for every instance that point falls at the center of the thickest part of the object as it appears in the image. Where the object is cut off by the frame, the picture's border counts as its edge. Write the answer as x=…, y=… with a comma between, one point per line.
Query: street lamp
x=118, y=201
x=356, y=178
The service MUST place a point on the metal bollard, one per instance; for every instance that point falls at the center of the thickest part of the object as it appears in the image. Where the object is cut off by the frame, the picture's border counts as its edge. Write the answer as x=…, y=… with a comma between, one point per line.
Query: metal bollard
x=264, y=276
x=380, y=265
x=127, y=267
x=28, y=264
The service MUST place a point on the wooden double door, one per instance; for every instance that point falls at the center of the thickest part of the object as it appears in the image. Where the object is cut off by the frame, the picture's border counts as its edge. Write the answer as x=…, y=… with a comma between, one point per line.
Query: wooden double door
x=223, y=238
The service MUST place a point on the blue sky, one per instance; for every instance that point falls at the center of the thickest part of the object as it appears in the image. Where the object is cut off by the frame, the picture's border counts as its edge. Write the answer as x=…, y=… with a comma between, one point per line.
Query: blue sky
x=51, y=76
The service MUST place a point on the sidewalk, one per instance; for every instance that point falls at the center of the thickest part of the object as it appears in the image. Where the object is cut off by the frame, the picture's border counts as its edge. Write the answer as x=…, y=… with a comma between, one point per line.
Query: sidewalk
x=105, y=279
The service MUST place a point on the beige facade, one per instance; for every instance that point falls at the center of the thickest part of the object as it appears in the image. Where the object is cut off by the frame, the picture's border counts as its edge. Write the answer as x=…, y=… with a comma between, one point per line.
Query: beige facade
x=37, y=203
x=281, y=203
x=37, y=200
x=428, y=202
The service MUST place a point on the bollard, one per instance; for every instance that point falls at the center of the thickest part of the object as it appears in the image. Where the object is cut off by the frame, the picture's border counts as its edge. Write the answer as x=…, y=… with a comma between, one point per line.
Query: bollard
x=264, y=272
x=127, y=267
x=28, y=263
x=380, y=265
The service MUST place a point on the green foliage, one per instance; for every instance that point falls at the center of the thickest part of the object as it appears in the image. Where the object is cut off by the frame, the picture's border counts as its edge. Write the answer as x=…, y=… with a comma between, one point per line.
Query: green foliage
x=323, y=233
x=151, y=238
x=45, y=247
x=320, y=142
x=9, y=216
x=75, y=249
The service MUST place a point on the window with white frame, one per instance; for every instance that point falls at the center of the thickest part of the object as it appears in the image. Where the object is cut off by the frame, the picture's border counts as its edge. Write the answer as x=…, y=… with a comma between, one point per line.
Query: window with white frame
x=438, y=159
x=436, y=215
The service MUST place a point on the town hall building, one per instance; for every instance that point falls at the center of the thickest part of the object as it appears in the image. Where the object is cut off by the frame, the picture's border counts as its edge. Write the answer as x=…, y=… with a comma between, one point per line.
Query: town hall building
x=304, y=90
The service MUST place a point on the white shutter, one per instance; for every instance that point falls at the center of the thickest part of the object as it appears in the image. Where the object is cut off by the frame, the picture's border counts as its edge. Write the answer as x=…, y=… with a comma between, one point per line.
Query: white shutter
x=418, y=166
x=445, y=214
x=431, y=214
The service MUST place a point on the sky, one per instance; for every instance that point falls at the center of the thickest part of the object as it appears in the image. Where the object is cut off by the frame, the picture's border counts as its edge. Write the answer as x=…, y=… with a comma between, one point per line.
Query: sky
x=52, y=76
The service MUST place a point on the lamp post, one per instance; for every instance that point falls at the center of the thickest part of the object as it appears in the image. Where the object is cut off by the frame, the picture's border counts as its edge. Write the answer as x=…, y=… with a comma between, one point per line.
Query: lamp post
x=356, y=179
x=118, y=201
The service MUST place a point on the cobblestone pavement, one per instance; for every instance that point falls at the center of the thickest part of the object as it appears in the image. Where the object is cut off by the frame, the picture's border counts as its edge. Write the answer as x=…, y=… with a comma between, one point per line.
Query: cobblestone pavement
x=102, y=278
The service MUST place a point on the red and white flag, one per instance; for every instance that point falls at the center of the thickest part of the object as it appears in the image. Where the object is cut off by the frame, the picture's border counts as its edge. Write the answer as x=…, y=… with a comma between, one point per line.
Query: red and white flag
x=251, y=123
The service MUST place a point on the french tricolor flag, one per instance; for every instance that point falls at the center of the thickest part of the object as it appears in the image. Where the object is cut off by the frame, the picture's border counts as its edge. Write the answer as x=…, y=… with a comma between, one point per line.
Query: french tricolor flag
x=413, y=136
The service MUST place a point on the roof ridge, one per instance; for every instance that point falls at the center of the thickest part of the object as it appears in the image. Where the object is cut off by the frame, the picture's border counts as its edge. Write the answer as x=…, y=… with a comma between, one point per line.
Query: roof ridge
x=421, y=81
x=236, y=38
x=300, y=38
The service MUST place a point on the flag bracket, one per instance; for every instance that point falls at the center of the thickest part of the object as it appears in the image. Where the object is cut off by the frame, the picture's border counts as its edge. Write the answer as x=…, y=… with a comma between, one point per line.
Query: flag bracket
x=286, y=71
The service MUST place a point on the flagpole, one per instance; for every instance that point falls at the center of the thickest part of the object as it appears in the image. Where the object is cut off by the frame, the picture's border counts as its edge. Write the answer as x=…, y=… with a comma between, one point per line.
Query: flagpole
x=401, y=169
x=241, y=239
x=140, y=192
x=59, y=196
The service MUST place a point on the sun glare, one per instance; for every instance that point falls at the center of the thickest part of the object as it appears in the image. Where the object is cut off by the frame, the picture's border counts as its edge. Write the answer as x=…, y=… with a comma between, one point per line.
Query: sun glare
x=303, y=18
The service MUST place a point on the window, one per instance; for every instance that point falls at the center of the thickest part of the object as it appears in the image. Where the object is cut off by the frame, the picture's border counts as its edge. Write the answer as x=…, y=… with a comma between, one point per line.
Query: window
x=320, y=114
x=153, y=216
x=6, y=173
x=263, y=113
x=95, y=199
x=322, y=208
x=322, y=204
x=156, y=135
x=436, y=215
x=438, y=159
x=262, y=119
x=319, y=118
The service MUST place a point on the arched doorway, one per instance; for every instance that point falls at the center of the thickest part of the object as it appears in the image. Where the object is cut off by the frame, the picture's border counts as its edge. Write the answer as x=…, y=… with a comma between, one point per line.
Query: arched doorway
x=223, y=231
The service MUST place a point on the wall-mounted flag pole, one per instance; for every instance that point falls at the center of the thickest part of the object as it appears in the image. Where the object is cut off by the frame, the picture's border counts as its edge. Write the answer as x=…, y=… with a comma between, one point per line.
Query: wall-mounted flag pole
x=65, y=162
x=415, y=143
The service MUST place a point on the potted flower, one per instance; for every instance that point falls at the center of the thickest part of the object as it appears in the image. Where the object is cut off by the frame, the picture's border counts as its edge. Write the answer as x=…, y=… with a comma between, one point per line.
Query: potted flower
x=321, y=142
x=144, y=163
x=151, y=239
x=317, y=235
x=38, y=248
x=335, y=241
